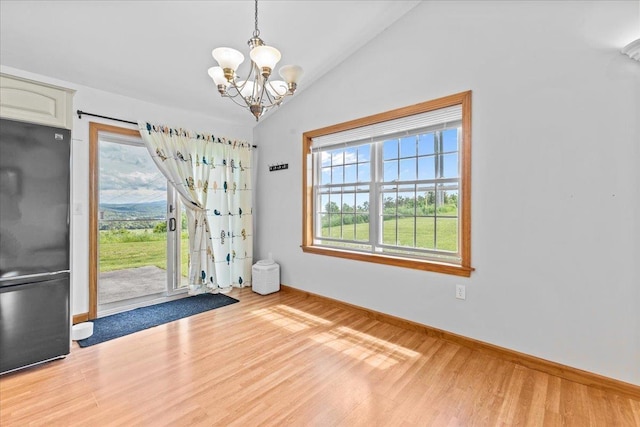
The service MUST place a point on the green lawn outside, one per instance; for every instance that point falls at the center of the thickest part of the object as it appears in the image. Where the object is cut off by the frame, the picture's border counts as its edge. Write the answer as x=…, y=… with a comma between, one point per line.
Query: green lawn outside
x=124, y=249
x=447, y=232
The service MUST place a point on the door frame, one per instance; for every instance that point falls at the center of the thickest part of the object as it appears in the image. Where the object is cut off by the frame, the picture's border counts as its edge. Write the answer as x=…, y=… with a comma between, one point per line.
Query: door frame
x=94, y=174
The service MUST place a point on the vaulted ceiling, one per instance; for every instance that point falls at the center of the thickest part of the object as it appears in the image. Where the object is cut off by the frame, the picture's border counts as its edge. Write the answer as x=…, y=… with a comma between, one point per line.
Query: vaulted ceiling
x=159, y=51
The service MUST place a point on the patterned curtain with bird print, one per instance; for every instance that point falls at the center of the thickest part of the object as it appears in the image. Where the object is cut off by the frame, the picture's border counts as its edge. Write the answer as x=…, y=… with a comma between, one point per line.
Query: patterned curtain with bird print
x=213, y=177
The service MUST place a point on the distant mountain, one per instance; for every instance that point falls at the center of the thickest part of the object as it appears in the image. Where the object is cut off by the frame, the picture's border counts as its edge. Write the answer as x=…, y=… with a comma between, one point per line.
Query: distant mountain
x=133, y=211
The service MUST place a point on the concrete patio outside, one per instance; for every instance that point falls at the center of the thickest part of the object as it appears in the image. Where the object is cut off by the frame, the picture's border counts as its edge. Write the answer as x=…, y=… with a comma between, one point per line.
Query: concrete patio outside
x=119, y=285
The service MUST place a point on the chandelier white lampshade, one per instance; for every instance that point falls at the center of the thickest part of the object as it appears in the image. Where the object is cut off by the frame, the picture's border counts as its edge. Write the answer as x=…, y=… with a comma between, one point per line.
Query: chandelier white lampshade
x=632, y=50
x=291, y=74
x=217, y=74
x=256, y=93
x=266, y=58
x=228, y=59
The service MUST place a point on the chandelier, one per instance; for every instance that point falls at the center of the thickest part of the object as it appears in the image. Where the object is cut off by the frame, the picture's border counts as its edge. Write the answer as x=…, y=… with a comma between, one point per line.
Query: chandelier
x=257, y=92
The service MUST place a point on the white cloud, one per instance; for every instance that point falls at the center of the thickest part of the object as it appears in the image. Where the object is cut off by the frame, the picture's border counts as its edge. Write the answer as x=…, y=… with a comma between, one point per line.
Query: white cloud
x=128, y=174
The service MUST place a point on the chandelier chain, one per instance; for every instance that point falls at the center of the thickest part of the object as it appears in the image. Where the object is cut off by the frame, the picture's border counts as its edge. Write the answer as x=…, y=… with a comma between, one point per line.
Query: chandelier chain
x=256, y=32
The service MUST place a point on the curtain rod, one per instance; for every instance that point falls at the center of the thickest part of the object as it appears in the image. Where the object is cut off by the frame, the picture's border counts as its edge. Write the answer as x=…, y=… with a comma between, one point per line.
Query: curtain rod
x=80, y=113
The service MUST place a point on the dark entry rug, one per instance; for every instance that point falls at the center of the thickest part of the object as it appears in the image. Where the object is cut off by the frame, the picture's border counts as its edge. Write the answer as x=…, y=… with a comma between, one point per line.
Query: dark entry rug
x=128, y=322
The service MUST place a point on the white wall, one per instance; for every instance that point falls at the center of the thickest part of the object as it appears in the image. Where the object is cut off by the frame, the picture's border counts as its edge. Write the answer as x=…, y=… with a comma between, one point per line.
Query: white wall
x=112, y=105
x=556, y=182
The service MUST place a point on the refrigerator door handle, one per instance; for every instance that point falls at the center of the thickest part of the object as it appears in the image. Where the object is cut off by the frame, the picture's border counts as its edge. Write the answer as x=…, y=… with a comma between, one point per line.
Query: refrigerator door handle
x=39, y=277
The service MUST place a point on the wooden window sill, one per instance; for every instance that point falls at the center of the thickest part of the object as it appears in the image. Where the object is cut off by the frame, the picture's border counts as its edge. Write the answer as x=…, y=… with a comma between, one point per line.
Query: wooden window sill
x=425, y=265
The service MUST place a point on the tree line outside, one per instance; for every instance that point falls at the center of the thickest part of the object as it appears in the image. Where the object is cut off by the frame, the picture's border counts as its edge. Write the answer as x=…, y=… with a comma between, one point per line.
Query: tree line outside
x=400, y=206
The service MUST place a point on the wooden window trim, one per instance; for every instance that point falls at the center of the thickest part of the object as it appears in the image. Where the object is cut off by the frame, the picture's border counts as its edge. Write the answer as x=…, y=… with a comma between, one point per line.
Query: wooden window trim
x=464, y=268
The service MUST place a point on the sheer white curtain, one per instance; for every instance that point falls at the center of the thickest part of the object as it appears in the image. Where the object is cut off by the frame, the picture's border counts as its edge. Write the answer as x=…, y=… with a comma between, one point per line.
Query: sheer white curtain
x=213, y=177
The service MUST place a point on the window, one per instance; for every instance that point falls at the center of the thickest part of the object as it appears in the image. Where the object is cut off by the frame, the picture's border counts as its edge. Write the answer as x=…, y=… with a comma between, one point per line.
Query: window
x=393, y=188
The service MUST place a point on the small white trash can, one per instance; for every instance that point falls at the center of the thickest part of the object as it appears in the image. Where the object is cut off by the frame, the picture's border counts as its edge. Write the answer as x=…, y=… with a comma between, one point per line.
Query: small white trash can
x=265, y=277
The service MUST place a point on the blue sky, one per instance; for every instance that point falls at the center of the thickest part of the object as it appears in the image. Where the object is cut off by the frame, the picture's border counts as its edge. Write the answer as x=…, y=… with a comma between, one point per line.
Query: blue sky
x=404, y=159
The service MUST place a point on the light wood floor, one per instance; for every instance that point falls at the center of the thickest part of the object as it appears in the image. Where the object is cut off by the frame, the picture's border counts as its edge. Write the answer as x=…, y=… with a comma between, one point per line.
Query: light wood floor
x=286, y=359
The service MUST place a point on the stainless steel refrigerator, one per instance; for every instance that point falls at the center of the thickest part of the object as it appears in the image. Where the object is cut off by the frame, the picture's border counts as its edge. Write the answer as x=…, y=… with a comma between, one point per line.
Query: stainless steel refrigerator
x=34, y=244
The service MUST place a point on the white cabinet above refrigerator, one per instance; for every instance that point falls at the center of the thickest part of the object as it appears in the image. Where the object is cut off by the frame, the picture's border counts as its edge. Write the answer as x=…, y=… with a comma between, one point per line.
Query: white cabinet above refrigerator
x=30, y=101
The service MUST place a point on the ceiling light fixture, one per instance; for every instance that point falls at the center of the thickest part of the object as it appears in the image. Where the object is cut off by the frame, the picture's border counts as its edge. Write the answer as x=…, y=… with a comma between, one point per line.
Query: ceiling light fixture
x=632, y=50
x=257, y=92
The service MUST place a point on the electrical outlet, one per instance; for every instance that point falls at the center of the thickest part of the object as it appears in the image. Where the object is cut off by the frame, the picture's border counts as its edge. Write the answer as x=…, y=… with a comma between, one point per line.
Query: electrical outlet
x=461, y=292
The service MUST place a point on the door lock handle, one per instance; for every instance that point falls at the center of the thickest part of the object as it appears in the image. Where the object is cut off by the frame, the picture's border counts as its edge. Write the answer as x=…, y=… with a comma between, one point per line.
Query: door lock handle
x=172, y=224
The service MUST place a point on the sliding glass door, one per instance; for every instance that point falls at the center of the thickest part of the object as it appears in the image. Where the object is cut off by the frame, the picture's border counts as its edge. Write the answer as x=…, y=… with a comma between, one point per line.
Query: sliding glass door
x=141, y=228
